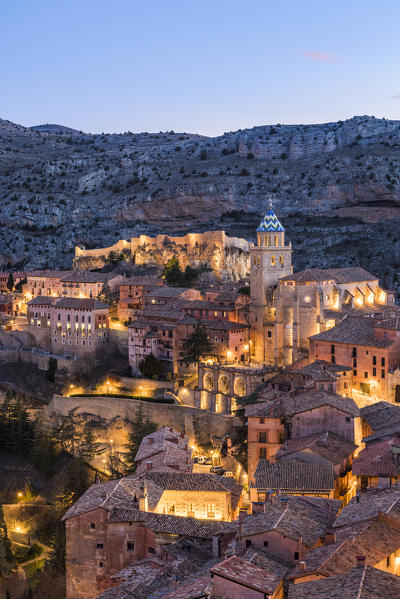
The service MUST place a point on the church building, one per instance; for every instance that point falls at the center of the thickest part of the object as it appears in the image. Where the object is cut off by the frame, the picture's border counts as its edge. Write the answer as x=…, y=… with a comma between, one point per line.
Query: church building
x=288, y=308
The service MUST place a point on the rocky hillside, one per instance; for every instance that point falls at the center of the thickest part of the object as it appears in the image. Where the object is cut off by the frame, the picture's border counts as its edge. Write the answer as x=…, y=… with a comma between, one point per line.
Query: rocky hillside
x=336, y=187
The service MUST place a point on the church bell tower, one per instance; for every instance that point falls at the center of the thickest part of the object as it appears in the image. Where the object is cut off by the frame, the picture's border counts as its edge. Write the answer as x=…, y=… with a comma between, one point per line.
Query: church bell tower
x=270, y=260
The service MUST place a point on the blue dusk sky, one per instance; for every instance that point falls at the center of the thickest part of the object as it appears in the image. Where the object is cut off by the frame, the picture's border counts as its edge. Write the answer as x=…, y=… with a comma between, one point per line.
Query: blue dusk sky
x=204, y=66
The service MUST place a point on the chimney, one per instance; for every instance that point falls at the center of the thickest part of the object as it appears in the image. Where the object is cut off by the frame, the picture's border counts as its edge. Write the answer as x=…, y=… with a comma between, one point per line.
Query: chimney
x=150, y=440
x=149, y=465
x=330, y=537
x=360, y=561
x=240, y=523
x=302, y=566
x=142, y=498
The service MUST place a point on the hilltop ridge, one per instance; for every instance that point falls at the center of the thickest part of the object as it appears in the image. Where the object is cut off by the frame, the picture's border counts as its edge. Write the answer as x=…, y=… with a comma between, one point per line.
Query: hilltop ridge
x=330, y=182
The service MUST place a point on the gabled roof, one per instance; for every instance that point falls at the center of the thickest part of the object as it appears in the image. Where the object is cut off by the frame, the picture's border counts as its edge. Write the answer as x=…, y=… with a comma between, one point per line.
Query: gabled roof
x=270, y=222
x=353, y=330
x=380, y=414
x=358, y=583
x=42, y=300
x=379, y=458
x=295, y=517
x=247, y=574
x=293, y=476
x=352, y=274
x=369, y=504
x=375, y=540
x=328, y=445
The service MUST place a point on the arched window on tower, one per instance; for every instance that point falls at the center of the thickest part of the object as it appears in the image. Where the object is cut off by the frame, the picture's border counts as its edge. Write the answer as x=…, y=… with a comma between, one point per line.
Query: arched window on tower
x=272, y=260
x=281, y=261
x=258, y=260
x=276, y=240
x=266, y=240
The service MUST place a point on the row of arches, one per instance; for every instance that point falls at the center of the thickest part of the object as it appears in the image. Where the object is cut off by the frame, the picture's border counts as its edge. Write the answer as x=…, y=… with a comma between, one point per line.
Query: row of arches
x=224, y=384
x=273, y=260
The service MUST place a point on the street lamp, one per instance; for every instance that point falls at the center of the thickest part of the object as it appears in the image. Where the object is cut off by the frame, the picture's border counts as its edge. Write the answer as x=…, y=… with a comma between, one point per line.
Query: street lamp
x=107, y=386
x=140, y=391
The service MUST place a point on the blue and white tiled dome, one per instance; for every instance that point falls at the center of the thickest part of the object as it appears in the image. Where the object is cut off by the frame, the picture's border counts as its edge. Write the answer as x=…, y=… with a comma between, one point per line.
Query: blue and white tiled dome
x=270, y=222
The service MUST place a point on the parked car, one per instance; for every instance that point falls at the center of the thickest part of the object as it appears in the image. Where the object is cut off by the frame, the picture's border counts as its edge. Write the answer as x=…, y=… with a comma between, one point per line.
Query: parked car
x=228, y=473
x=217, y=470
x=196, y=460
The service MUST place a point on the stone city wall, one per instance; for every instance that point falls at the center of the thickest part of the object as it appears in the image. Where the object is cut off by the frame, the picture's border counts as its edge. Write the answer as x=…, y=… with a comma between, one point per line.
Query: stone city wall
x=199, y=425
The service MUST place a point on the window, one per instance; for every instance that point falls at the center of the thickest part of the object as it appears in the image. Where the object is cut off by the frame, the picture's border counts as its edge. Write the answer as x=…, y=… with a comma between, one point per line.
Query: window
x=92, y=525
x=99, y=546
x=354, y=352
x=332, y=349
x=263, y=453
x=388, y=561
x=281, y=437
x=248, y=543
x=100, y=564
x=265, y=543
x=130, y=546
x=151, y=550
x=374, y=360
x=347, y=418
x=383, y=374
x=354, y=372
x=383, y=362
x=333, y=359
x=262, y=437
x=272, y=260
x=365, y=375
x=262, y=420
x=374, y=372
x=269, y=334
x=354, y=362
x=296, y=555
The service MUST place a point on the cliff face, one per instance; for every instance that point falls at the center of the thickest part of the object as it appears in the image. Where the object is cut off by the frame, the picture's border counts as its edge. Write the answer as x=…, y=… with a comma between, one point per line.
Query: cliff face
x=61, y=189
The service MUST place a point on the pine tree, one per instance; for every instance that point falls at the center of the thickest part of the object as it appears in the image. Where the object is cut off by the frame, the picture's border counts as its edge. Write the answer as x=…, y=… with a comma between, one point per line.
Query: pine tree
x=150, y=366
x=10, y=282
x=197, y=345
x=88, y=447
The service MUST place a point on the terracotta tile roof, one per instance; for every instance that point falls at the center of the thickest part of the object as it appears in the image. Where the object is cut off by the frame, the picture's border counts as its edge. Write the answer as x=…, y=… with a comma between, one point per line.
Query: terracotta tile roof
x=358, y=583
x=247, y=574
x=77, y=303
x=376, y=540
x=340, y=275
x=86, y=276
x=195, y=589
x=265, y=409
x=167, y=292
x=369, y=504
x=268, y=560
x=355, y=331
x=293, y=476
x=328, y=445
x=296, y=517
x=167, y=460
x=381, y=414
x=379, y=458
x=50, y=274
x=178, y=481
x=122, y=492
x=42, y=300
x=309, y=399
x=175, y=525
x=164, y=437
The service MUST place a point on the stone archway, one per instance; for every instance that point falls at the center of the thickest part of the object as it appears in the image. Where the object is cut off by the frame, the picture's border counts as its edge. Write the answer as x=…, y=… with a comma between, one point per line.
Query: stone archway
x=239, y=386
x=224, y=385
x=208, y=381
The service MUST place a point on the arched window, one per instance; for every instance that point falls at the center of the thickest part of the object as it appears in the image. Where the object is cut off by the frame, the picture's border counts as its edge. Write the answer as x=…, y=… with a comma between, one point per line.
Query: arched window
x=272, y=260
x=281, y=261
x=276, y=240
x=258, y=260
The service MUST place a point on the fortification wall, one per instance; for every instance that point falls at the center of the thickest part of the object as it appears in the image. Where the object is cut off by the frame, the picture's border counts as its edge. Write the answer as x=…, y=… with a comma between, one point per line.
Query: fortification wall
x=227, y=256
x=198, y=424
x=120, y=245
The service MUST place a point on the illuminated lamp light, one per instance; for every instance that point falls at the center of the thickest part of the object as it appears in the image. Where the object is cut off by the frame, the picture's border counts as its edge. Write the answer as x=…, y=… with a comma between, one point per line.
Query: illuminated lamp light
x=307, y=299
